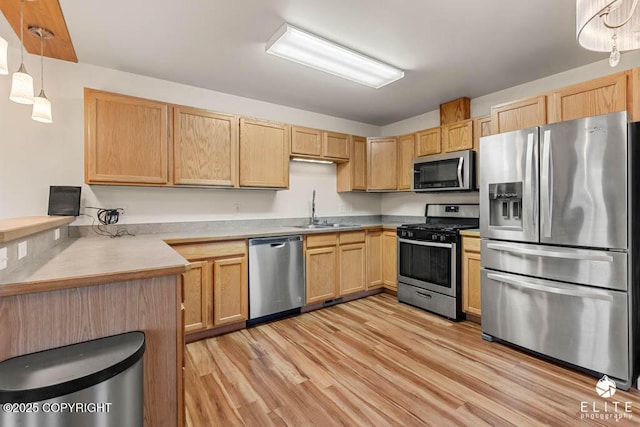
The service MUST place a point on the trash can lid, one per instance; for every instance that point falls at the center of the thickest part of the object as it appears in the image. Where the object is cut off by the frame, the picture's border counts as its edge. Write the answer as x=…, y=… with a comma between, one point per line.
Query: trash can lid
x=63, y=370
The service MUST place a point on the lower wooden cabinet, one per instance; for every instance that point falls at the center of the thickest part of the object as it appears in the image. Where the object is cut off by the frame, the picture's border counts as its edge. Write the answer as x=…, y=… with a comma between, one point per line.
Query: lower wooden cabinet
x=390, y=260
x=335, y=265
x=471, y=275
x=374, y=259
x=216, y=288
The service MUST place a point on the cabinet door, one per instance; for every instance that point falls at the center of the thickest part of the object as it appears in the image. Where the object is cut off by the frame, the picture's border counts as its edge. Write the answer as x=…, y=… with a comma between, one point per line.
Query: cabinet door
x=382, y=164
x=458, y=136
x=352, y=267
x=205, y=147
x=517, y=115
x=428, y=142
x=125, y=139
x=230, y=290
x=374, y=259
x=471, y=275
x=352, y=175
x=264, y=154
x=306, y=141
x=406, y=146
x=594, y=97
x=335, y=145
x=390, y=260
x=197, y=297
x=321, y=274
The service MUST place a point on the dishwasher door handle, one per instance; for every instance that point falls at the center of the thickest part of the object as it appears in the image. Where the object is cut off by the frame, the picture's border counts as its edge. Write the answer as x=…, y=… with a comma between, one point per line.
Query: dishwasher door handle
x=278, y=245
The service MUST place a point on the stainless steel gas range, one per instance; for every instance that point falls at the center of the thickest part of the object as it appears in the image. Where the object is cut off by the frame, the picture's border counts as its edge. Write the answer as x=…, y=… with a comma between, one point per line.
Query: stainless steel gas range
x=429, y=259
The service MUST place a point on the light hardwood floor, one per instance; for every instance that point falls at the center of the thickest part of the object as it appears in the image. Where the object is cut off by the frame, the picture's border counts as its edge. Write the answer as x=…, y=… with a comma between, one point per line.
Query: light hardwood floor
x=374, y=362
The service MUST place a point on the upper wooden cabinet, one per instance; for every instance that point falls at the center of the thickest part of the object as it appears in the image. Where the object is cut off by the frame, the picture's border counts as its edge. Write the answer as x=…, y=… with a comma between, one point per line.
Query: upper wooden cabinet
x=264, y=154
x=481, y=127
x=205, y=147
x=126, y=139
x=455, y=111
x=591, y=98
x=406, y=145
x=519, y=114
x=457, y=136
x=335, y=145
x=306, y=141
x=352, y=175
x=382, y=164
x=428, y=142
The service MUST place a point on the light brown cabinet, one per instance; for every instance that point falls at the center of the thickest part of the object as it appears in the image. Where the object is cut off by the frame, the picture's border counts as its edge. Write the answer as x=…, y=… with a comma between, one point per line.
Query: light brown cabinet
x=351, y=262
x=321, y=265
x=216, y=287
x=599, y=96
x=390, y=260
x=126, y=139
x=306, y=141
x=428, y=142
x=264, y=154
x=205, y=147
x=457, y=136
x=520, y=114
x=471, y=300
x=481, y=127
x=352, y=175
x=406, y=147
x=335, y=146
x=382, y=164
x=374, y=259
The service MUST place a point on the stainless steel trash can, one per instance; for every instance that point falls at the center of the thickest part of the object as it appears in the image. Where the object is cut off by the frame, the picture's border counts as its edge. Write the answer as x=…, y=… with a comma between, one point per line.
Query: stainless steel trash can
x=93, y=383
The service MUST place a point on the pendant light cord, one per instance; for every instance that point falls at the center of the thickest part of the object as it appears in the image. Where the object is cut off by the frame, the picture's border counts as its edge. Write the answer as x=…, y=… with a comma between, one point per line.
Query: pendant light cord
x=22, y=31
x=41, y=62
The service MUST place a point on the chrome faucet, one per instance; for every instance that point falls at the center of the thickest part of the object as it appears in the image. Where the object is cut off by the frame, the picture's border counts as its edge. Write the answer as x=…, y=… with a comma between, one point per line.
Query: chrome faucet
x=314, y=220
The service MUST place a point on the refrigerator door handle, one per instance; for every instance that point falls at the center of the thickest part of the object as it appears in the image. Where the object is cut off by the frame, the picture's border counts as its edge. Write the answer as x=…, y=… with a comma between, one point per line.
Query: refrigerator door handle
x=460, y=182
x=550, y=254
x=546, y=178
x=548, y=289
x=528, y=181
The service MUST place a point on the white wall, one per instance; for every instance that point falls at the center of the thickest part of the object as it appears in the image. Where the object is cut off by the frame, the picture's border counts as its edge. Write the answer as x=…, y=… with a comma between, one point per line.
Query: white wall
x=411, y=204
x=34, y=156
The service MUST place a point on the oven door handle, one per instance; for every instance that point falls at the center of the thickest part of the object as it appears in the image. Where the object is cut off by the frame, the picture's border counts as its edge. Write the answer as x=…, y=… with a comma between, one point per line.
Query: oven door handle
x=548, y=289
x=421, y=243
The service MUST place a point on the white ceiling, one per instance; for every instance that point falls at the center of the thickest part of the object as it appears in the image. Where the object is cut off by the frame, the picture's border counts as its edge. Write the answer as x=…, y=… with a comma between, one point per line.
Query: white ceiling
x=448, y=48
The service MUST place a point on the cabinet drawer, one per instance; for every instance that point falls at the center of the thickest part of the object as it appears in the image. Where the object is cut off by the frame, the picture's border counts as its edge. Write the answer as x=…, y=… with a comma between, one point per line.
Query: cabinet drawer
x=211, y=250
x=351, y=237
x=471, y=244
x=325, y=239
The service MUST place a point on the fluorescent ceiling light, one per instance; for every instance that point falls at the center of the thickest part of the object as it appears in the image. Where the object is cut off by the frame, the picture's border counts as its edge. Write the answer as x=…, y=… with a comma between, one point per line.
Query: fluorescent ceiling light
x=308, y=49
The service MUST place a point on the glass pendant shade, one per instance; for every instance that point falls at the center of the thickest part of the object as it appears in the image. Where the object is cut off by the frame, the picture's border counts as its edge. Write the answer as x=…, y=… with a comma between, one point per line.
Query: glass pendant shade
x=22, y=87
x=593, y=34
x=4, y=66
x=42, y=109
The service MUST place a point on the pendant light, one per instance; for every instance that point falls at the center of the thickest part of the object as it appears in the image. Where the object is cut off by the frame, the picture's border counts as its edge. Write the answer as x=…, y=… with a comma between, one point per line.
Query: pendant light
x=41, y=106
x=608, y=26
x=22, y=83
x=4, y=67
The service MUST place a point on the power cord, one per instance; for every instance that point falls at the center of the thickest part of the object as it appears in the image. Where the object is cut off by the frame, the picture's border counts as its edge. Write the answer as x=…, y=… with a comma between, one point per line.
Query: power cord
x=107, y=216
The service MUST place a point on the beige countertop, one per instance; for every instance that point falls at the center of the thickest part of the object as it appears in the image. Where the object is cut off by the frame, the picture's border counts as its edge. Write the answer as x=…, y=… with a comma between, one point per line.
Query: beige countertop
x=474, y=232
x=90, y=261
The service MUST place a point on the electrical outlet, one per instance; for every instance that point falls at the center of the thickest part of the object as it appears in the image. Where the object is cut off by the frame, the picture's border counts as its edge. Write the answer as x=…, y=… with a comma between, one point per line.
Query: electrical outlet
x=22, y=249
x=3, y=258
x=342, y=208
x=123, y=210
x=237, y=207
x=56, y=234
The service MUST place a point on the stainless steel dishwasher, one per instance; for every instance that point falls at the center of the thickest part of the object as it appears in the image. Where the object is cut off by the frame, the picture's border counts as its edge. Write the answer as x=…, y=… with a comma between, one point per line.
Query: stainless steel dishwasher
x=276, y=277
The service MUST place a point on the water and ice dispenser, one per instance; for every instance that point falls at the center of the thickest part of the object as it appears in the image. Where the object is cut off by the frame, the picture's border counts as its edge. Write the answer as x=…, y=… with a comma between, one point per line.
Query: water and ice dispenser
x=505, y=204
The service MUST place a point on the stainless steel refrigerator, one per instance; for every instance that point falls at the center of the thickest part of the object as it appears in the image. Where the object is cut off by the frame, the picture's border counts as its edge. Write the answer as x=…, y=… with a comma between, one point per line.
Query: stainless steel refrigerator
x=559, y=270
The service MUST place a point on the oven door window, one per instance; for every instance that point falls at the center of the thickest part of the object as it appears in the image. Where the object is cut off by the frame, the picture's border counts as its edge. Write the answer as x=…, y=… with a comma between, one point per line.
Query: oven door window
x=431, y=264
x=440, y=174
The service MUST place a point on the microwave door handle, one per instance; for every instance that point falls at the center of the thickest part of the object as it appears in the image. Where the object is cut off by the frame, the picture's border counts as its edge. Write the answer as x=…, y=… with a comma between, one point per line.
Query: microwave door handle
x=460, y=162
x=548, y=289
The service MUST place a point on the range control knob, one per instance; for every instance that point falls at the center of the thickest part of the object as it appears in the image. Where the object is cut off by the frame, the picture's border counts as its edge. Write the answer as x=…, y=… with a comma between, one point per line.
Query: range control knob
x=443, y=238
x=434, y=237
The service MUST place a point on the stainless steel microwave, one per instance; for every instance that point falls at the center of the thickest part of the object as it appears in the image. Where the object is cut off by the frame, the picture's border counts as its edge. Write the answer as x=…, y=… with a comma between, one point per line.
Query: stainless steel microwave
x=445, y=172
